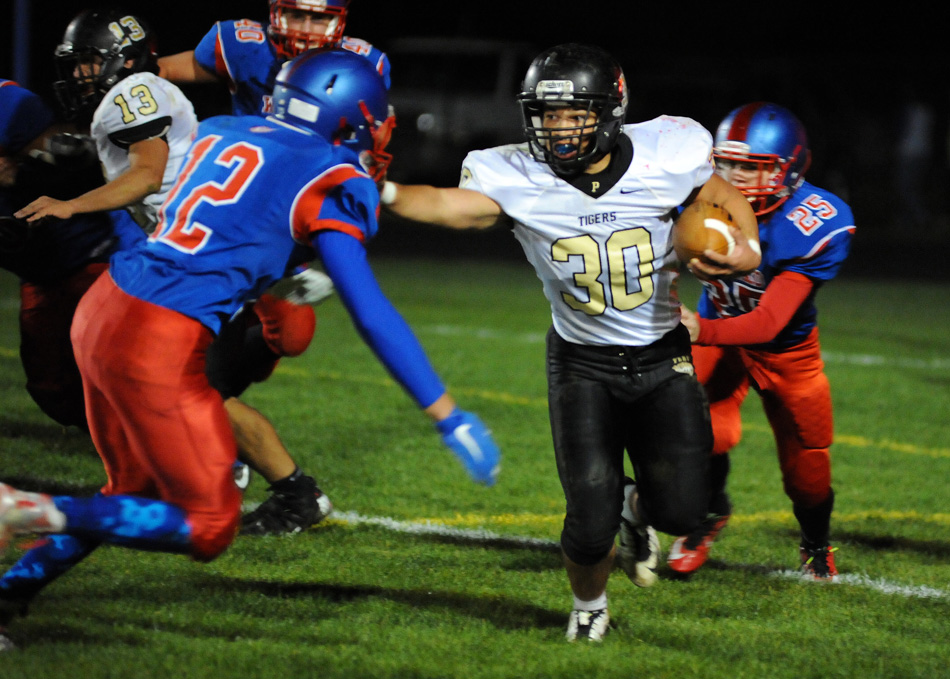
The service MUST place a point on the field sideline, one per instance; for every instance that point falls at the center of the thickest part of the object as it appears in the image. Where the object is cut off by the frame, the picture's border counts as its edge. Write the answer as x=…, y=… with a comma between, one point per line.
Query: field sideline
x=420, y=573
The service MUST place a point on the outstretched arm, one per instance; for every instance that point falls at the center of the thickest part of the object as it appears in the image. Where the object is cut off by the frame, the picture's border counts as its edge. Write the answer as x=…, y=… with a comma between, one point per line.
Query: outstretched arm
x=389, y=336
x=184, y=68
x=450, y=207
x=147, y=159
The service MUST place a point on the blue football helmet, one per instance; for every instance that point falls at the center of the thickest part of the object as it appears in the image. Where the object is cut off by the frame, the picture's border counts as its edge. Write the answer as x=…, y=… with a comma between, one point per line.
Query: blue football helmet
x=338, y=95
x=289, y=42
x=769, y=140
x=578, y=77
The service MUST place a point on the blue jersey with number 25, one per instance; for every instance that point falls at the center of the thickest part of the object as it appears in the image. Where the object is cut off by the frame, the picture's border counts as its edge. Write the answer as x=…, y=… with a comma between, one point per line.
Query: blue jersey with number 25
x=810, y=233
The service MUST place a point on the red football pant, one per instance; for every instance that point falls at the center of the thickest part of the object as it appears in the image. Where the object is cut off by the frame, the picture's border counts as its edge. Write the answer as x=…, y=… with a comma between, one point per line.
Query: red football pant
x=796, y=398
x=160, y=428
x=46, y=313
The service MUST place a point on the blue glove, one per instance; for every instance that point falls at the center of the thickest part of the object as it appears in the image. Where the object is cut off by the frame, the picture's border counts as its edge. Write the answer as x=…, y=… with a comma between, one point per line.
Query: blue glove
x=473, y=445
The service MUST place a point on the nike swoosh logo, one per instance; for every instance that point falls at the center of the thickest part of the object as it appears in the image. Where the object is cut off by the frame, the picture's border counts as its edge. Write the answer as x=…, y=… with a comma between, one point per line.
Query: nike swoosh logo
x=625, y=191
x=471, y=445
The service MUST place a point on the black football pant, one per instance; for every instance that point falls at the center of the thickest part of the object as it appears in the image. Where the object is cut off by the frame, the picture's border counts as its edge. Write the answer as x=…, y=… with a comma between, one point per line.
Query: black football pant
x=645, y=400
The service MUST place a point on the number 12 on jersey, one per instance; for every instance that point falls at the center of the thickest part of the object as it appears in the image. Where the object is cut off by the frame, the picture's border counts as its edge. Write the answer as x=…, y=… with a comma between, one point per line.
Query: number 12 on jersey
x=178, y=225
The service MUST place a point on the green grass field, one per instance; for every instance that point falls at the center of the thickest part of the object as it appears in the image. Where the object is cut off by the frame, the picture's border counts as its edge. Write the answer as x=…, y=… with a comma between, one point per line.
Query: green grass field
x=420, y=573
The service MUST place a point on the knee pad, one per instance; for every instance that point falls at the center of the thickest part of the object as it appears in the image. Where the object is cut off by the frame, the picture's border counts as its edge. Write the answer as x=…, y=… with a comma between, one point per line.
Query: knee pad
x=288, y=328
x=212, y=535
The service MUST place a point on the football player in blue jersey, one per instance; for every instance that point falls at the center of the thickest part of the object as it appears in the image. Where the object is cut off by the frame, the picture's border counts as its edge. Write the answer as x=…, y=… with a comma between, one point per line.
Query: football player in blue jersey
x=55, y=262
x=141, y=332
x=246, y=56
x=761, y=330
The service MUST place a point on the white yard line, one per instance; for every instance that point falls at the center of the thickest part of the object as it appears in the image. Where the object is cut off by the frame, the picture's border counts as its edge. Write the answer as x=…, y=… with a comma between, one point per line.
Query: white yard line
x=480, y=535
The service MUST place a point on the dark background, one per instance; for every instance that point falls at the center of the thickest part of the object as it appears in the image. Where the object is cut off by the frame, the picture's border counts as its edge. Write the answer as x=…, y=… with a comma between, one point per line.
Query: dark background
x=856, y=79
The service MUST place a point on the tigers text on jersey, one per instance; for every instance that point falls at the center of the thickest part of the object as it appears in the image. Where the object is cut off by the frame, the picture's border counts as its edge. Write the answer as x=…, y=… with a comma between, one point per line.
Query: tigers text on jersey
x=606, y=263
x=143, y=106
x=810, y=233
x=239, y=205
x=240, y=52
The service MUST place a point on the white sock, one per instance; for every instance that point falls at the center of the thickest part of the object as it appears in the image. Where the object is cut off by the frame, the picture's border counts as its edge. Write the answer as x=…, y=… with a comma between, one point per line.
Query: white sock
x=595, y=605
x=627, y=512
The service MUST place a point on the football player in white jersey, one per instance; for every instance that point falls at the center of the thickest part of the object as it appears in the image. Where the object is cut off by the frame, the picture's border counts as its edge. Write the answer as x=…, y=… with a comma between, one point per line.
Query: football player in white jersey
x=592, y=202
x=141, y=124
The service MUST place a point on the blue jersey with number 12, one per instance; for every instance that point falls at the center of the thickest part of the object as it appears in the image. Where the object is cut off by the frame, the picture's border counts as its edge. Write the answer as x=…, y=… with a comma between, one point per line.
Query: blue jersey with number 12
x=251, y=195
x=810, y=233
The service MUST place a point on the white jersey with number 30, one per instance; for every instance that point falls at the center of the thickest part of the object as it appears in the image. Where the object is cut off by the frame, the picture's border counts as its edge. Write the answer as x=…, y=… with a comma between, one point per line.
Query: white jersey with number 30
x=143, y=106
x=606, y=262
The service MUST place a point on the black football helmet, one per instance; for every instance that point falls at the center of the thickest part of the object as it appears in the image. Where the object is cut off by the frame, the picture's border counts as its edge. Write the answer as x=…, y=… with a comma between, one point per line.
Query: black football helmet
x=100, y=48
x=578, y=77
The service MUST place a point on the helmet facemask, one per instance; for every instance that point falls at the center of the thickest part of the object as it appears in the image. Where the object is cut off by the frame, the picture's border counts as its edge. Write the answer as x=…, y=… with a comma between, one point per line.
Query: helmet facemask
x=762, y=149
x=568, y=148
x=766, y=179
x=289, y=40
x=578, y=82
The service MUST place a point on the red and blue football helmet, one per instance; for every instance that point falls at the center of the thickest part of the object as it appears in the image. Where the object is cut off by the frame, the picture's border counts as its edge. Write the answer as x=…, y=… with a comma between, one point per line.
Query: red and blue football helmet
x=773, y=140
x=338, y=95
x=290, y=42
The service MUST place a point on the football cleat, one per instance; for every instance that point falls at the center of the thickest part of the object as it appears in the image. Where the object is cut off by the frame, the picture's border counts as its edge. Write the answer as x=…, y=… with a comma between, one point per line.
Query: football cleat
x=819, y=563
x=639, y=550
x=589, y=625
x=287, y=513
x=689, y=552
x=22, y=512
x=242, y=475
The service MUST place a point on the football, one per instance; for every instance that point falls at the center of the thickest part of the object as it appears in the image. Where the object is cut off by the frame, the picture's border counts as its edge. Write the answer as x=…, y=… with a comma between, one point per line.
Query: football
x=702, y=226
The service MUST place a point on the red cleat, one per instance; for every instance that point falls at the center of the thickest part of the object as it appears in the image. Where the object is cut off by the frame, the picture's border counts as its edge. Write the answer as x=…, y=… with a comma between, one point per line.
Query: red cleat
x=690, y=552
x=819, y=564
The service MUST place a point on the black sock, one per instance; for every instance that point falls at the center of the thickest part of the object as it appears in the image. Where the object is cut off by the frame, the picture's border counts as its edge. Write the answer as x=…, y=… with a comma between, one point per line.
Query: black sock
x=815, y=522
x=297, y=483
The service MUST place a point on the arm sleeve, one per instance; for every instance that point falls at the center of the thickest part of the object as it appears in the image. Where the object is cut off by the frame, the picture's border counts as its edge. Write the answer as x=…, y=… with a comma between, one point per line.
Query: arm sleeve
x=779, y=302
x=376, y=319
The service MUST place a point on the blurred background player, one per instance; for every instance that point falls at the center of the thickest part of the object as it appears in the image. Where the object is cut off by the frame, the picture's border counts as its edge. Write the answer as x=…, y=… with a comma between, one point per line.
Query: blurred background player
x=139, y=138
x=590, y=200
x=140, y=123
x=761, y=330
x=141, y=332
x=246, y=56
x=56, y=262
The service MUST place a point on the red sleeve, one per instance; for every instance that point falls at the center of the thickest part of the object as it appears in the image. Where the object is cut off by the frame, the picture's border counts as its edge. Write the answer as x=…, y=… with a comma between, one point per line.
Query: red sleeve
x=779, y=302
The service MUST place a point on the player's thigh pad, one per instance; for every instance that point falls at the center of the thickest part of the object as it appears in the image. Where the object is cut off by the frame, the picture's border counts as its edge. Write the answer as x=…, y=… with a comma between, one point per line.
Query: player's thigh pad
x=149, y=363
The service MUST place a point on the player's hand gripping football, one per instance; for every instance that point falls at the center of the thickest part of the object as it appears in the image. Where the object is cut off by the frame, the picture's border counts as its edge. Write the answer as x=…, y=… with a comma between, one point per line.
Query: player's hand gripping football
x=745, y=259
x=471, y=441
